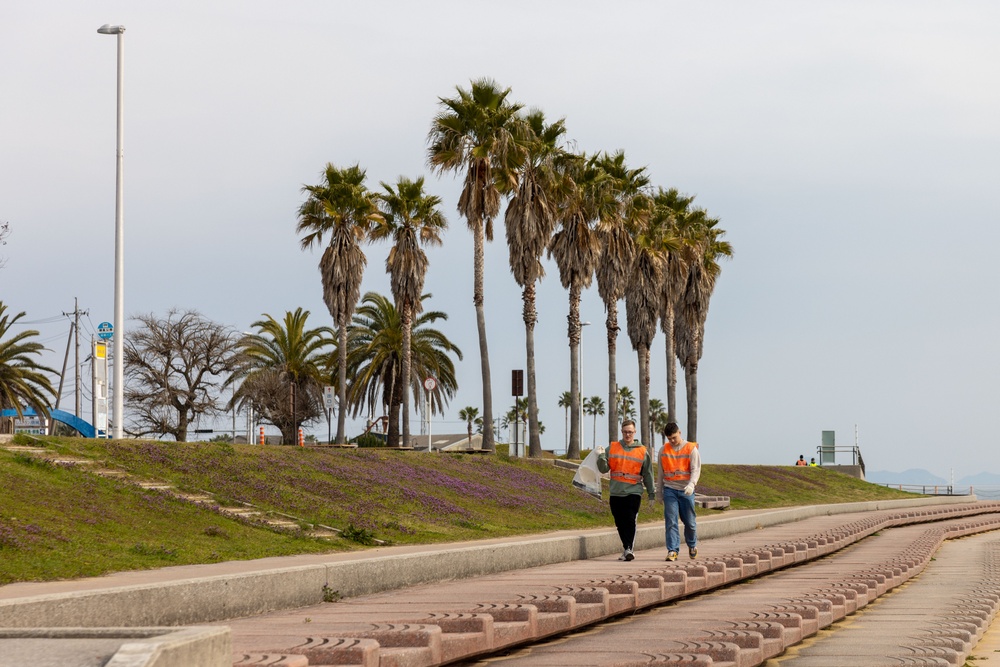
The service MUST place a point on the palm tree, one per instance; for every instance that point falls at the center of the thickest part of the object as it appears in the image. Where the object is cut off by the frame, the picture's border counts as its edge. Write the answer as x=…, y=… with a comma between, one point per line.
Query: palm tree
x=616, y=230
x=283, y=372
x=530, y=221
x=658, y=417
x=576, y=248
x=625, y=400
x=654, y=241
x=566, y=401
x=22, y=378
x=470, y=416
x=411, y=218
x=692, y=311
x=594, y=406
x=376, y=353
x=342, y=206
x=475, y=131
x=686, y=223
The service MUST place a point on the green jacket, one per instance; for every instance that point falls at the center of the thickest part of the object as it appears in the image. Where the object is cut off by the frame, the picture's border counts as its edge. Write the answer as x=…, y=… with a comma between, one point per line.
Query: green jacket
x=623, y=488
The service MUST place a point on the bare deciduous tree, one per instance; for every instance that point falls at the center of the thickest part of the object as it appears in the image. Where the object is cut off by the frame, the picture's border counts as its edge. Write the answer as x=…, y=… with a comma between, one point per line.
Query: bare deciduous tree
x=175, y=367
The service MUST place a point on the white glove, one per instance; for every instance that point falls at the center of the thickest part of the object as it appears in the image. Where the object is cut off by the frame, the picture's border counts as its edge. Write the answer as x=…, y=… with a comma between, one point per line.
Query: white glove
x=689, y=489
x=600, y=451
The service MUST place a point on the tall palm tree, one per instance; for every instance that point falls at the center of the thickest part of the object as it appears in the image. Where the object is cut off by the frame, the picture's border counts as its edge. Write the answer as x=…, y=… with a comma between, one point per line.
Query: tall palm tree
x=626, y=404
x=566, y=402
x=658, y=417
x=692, y=312
x=475, y=132
x=530, y=220
x=654, y=241
x=23, y=381
x=410, y=217
x=616, y=232
x=576, y=248
x=283, y=372
x=343, y=207
x=686, y=223
x=594, y=406
x=470, y=416
x=376, y=353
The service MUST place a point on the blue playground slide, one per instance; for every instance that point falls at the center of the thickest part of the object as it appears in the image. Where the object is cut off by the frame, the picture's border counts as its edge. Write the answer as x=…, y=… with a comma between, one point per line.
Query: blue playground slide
x=82, y=427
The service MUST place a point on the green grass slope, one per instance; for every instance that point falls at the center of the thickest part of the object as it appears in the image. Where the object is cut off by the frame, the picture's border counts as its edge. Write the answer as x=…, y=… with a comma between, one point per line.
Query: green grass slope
x=62, y=522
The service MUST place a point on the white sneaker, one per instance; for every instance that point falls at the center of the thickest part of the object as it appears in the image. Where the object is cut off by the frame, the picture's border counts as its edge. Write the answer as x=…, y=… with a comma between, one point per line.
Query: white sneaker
x=622, y=557
x=628, y=555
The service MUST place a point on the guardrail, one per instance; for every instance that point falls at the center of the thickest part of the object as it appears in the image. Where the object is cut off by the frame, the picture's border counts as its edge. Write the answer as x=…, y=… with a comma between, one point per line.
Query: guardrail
x=930, y=489
x=831, y=455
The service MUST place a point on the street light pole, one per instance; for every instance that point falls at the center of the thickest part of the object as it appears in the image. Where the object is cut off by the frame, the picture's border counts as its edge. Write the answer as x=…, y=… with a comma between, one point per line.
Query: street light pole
x=580, y=354
x=119, y=317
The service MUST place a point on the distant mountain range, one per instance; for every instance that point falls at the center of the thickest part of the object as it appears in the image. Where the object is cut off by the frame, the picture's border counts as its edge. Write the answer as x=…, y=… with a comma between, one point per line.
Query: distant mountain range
x=920, y=476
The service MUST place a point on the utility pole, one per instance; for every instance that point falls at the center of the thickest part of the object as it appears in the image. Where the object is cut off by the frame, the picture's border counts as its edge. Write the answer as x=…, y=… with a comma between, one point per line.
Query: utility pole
x=62, y=378
x=76, y=368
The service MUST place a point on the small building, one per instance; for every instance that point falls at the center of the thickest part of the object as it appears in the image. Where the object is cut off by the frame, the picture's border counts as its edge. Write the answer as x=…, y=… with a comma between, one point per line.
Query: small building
x=447, y=442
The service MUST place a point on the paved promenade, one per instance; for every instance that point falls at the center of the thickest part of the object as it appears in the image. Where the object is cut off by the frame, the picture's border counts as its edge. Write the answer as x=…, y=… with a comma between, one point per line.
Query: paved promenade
x=767, y=587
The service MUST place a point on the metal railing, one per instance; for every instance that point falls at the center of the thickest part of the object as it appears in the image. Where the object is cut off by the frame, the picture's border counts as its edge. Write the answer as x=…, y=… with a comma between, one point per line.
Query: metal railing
x=854, y=451
x=930, y=489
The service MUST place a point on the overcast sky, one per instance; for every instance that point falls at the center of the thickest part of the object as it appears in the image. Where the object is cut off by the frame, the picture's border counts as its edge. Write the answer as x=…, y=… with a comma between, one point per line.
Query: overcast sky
x=849, y=149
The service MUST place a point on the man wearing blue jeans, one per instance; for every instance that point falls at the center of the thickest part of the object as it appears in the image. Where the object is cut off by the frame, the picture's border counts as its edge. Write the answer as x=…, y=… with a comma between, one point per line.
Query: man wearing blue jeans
x=680, y=468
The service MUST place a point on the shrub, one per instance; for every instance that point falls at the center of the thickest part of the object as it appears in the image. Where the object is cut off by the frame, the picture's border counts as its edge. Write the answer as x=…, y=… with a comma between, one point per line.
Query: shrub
x=370, y=440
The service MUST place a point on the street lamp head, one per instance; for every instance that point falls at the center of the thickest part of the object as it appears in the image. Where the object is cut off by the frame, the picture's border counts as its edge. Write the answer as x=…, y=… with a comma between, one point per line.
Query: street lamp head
x=107, y=29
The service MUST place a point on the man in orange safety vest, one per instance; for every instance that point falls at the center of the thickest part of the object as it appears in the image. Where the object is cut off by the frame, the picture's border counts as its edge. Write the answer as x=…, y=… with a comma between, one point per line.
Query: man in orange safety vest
x=631, y=469
x=680, y=468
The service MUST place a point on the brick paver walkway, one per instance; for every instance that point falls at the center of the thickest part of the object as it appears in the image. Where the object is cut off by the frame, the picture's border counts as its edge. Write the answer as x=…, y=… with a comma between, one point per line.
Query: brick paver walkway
x=824, y=573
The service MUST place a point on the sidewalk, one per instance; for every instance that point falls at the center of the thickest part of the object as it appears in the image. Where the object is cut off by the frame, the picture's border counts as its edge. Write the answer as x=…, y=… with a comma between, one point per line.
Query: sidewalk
x=201, y=594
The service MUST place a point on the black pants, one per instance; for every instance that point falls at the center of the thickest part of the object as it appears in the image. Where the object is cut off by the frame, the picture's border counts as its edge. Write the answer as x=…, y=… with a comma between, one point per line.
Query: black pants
x=625, y=510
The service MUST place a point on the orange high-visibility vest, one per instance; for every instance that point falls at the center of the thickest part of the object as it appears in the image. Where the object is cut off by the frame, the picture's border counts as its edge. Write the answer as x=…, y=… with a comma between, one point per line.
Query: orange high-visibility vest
x=626, y=464
x=676, y=466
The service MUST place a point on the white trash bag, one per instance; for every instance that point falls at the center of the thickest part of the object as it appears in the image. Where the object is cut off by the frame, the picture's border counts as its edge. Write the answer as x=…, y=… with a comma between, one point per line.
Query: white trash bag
x=588, y=477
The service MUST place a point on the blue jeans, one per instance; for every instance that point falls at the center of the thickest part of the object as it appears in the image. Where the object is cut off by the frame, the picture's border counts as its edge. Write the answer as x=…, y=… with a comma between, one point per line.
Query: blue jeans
x=676, y=503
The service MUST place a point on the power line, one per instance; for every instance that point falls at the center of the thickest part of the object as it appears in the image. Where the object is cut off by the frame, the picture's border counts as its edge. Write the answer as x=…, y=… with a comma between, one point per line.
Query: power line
x=44, y=320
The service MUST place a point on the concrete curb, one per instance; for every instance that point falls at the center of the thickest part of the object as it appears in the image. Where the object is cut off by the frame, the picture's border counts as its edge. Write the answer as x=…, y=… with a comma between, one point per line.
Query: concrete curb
x=120, y=647
x=215, y=598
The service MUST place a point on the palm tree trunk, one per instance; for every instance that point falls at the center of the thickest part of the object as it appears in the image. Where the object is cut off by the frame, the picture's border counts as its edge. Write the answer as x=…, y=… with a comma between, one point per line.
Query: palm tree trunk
x=691, y=384
x=530, y=318
x=612, y=327
x=643, y=357
x=342, y=380
x=574, y=373
x=407, y=322
x=484, y=352
x=668, y=329
x=392, y=435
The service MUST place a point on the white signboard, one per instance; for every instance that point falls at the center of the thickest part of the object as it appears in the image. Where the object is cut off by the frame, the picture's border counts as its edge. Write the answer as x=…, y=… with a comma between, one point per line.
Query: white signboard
x=100, y=388
x=328, y=396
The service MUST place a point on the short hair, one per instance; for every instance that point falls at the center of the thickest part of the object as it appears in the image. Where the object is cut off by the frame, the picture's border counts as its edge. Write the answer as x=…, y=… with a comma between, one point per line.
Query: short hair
x=628, y=422
x=670, y=429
